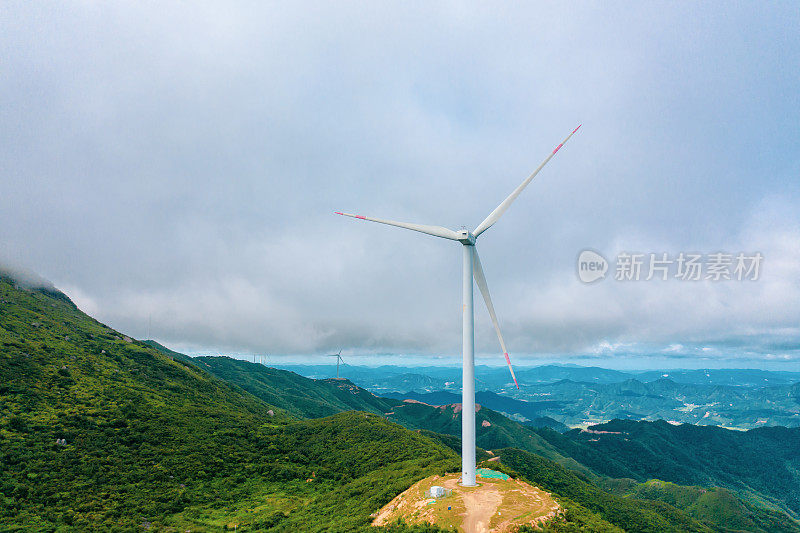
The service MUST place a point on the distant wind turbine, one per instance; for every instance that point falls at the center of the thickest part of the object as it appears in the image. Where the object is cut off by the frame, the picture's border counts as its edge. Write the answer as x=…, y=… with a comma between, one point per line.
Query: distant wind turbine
x=472, y=269
x=339, y=359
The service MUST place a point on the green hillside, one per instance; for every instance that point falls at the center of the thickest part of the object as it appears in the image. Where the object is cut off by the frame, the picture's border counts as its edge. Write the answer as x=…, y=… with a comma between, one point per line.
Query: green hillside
x=652, y=507
x=493, y=430
x=762, y=465
x=302, y=397
x=171, y=353
x=98, y=431
x=713, y=506
x=310, y=398
x=627, y=513
x=617, y=501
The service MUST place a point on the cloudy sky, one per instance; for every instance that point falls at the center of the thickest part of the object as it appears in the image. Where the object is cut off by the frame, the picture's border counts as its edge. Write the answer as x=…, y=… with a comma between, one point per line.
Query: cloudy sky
x=178, y=164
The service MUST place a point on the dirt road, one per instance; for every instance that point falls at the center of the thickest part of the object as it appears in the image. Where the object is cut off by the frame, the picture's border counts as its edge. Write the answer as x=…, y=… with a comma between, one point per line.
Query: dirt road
x=481, y=507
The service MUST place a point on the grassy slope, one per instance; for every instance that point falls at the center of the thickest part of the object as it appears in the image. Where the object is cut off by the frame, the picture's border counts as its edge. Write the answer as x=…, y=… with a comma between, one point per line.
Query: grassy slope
x=166, y=351
x=493, y=430
x=355, y=463
x=763, y=465
x=150, y=439
x=629, y=514
x=714, y=506
x=310, y=398
x=300, y=396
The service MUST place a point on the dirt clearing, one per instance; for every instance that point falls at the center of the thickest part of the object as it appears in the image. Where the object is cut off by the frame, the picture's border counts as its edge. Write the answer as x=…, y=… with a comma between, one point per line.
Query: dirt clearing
x=495, y=505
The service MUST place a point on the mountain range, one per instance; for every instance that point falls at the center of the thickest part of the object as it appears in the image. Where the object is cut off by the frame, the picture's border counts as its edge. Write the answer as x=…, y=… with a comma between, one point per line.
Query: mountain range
x=580, y=396
x=101, y=431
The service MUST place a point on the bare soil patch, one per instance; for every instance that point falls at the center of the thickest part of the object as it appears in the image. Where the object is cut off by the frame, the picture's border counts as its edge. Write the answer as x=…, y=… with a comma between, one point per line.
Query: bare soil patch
x=494, y=506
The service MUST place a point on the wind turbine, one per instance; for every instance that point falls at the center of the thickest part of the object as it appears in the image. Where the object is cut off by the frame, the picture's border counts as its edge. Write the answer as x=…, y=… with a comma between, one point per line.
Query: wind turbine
x=472, y=269
x=339, y=359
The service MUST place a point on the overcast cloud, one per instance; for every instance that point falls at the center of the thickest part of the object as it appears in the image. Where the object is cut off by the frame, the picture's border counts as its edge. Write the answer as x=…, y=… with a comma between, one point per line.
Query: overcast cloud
x=180, y=163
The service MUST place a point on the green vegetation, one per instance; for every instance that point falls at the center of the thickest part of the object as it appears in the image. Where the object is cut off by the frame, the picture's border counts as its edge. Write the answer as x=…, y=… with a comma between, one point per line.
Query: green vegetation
x=151, y=441
x=99, y=431
x=166, y=351
x=626, y=513
x=306, y=397
x=311, y=398
x=713, y=506
x=761, y=465
x=493, y=430
x=302, y=397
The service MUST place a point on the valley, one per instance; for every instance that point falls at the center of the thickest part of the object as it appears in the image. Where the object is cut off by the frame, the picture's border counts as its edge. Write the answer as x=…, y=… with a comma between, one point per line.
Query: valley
x=582, y=396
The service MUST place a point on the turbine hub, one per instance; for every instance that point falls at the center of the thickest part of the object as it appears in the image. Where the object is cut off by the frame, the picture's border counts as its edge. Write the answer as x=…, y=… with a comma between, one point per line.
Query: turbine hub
x=466, y=237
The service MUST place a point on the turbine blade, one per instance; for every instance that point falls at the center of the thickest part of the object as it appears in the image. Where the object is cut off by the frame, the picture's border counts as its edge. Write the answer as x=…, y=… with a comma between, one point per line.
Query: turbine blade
x=480, y=279
x=436, y=231
x=500, y=209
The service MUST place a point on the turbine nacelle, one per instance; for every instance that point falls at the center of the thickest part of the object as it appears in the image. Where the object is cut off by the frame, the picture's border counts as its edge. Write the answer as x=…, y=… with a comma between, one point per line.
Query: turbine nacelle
x=466, y=237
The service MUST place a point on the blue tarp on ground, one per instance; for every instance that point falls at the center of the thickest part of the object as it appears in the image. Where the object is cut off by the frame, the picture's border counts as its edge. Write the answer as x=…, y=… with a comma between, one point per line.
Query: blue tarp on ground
x=493, y=474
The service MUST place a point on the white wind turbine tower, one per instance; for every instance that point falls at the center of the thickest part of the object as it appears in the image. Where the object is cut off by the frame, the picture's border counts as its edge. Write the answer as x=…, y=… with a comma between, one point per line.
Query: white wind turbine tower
x=339, y=359
x=472, y=269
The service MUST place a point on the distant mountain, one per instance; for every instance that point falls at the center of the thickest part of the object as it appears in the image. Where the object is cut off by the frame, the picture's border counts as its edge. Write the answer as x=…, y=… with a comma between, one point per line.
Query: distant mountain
x=724, y=376
x=581, y=396
x=529, y=413
x=581, y=403
x=553, y=373
x=426, y=379
x=492, y=378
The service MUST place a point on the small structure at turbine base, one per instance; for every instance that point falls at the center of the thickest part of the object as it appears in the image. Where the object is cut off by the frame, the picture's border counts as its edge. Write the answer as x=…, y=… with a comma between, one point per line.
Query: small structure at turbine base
x=438, y=492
